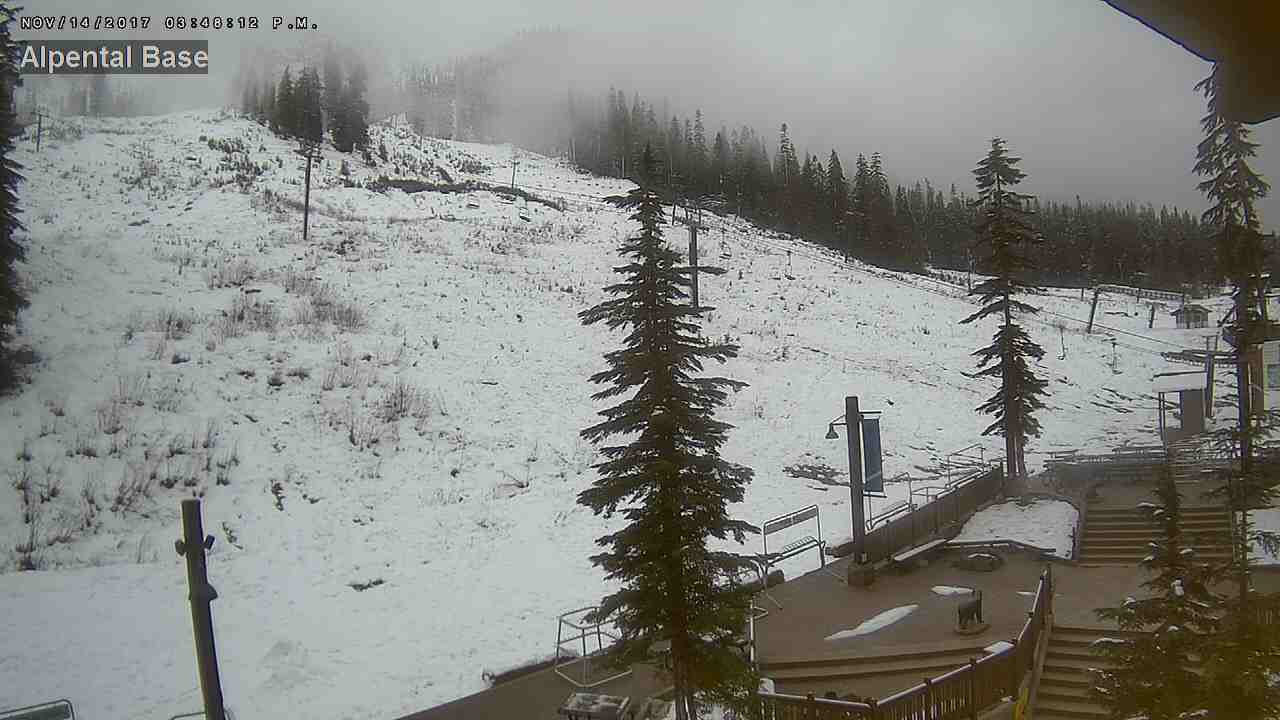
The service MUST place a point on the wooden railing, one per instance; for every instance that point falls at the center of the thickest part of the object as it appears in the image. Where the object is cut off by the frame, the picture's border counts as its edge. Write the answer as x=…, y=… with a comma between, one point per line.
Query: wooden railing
x=960, y=693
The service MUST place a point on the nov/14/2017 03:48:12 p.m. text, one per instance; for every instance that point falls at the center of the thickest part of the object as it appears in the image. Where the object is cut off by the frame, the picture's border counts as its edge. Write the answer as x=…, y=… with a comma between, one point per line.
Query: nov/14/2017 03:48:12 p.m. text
x=115, y=57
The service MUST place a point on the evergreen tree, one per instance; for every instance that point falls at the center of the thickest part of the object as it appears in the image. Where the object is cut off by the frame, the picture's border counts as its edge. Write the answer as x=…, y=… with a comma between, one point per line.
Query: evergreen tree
x=719, y=163
x=266, y=104
x=1156, y=673
x=670, y=482
x=1003, y=227
x=698, y=155
x=309, y=98
x=284, y=120
x=334, y=96
x=1247, y=653
x=12, y=250
x=838, y=199
x=101, y=95
x=353, y=113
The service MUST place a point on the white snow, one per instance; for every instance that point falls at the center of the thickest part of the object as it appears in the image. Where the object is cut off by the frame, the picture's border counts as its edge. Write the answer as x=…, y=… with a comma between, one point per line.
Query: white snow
x=951, y=590
x=998, y=646
x=1108, y=641
x=884, y=619
x=1042, y=523
x=1177, y=588
x=465, y=509
x=1264, y=520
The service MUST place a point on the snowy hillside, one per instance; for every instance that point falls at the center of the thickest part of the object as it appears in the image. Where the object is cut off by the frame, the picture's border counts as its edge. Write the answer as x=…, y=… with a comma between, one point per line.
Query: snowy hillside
x=397, y=404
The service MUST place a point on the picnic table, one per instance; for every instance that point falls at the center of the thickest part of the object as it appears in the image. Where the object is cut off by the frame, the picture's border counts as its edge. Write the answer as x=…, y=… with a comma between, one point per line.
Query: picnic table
x=591, y=706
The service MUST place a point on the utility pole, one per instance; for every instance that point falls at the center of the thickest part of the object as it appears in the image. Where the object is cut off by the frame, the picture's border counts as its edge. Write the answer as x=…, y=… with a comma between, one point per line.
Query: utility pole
x=1209, y=357
x=1093, y=309
x=693, y=257
x=513, y=174
x=853, y=420
x=1151, y=320
x=309, y=149
x=40, y=116
x=192, y=546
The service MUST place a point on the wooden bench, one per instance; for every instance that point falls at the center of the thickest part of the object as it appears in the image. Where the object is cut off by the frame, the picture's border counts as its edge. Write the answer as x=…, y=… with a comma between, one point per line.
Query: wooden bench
x=906, y=556
x=793, y=548
x=52, y=710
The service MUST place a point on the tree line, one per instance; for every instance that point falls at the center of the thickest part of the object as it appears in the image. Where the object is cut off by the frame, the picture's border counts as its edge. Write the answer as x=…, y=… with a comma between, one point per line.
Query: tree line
x=859, y=212
x=307, y=107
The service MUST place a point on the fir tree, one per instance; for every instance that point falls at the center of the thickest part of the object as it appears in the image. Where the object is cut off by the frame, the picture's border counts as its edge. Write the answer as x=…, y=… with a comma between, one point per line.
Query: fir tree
x=838, y=197
x=1156, y=673
x=1247, y=653
x=12, y=250
x=334, y=107
x=670, y=482
x=1003, y=227
x=284, y=119
x=354, y=111
x=309, y=98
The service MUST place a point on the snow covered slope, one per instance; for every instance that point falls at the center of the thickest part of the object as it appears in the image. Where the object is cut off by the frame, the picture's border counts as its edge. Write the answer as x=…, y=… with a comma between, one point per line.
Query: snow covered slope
x=399, y=400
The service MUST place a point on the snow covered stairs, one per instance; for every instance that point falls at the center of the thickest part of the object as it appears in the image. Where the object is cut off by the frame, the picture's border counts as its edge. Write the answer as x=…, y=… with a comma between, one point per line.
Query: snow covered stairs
x=1120, y=535
x=875, y=676
x=1066, y=680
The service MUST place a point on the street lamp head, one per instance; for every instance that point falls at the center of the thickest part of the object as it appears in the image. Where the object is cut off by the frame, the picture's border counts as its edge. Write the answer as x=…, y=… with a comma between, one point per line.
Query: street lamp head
x=831, y=432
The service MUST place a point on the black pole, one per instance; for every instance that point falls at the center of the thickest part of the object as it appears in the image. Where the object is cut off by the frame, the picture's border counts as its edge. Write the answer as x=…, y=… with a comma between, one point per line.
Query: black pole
x=39, y=129
x=306, y=198
x=853, y=420
x=693, y=260
x=192, y=546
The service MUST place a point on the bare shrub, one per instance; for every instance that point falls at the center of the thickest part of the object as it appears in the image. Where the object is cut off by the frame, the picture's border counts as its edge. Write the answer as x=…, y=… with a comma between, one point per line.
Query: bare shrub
x=111, y=417
x=299, y=372
x=84, y=442
x=402, y=400
x=247, y=314
x=365, y=431
x=57, y=405
x=208, y=437
x=297, y=283
x=130, y=389
x=330, y=379
x=137, y=482
x=169, y=396
x=230, y=272
x=276, y=379
x=323, y=305
x=172, y=323
x=158, y=348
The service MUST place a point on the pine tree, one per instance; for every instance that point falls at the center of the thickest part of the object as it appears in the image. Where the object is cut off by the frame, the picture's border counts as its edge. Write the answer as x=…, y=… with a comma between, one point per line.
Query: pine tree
x=838, y=198
x=284, y=120
x=309, y=98
x=334, y=107
x=1247, y=652
x=101, y=95
x=1155, y=673
x=266, y=104
x=670, y=482
x=12, y=250
x=352, y=113
x=1003, y=227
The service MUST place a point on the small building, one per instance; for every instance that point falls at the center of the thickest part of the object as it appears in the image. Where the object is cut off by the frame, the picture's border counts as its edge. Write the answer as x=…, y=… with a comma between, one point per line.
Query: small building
x=1191, y=316
x=1190, y=408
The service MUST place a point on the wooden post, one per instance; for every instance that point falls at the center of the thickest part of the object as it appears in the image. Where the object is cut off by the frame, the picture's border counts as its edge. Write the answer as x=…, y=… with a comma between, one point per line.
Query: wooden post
x=1151, y=320
x=1015, y=668
x=308, y=151
x=693, y=261
x=192, y=546
x=928, y=700
x=513, y=174
x=1093, y=309
x=973, y=689
x=1209, y=354
x=39, y=128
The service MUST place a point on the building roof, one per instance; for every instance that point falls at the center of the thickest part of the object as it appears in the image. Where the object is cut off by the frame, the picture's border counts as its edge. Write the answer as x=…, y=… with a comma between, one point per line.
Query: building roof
x=1192, y=308
x=1237, y=35
x=1173, y=382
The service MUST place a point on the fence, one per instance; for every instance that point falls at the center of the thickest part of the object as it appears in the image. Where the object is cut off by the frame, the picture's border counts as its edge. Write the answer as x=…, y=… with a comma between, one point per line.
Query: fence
x=960, y=693
x=1146, y=293
x=941, y=506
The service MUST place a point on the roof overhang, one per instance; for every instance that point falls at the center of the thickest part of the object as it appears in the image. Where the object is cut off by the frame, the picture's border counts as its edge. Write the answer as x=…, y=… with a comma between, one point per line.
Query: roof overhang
x=1238, y=35
x=1175, y=382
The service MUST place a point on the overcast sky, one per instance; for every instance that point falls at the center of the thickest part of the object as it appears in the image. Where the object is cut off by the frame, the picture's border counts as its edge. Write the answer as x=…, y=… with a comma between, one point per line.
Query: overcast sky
x=1094, y=103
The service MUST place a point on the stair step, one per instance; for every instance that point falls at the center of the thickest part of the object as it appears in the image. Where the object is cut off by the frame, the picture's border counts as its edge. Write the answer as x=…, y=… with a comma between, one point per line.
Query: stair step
x=914, y=668
x=1077, y=630
x=1135, y=512
x=1071, y=653
x=1065, y=679
x=1076, y=665
x=927, y=657
x=1138, y=524
x=1073, y=693
x=1064, y=709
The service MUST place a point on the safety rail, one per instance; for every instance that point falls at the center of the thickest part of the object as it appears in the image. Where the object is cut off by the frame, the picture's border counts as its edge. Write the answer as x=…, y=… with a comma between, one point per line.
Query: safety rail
x=962, y=692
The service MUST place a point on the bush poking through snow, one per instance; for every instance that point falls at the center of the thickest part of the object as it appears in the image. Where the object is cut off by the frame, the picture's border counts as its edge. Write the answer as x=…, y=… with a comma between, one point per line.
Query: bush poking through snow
x=246, y=315
x=403, y=400
x=136, y=483
x=172, y=324
x=111, y=416
x=230, y=272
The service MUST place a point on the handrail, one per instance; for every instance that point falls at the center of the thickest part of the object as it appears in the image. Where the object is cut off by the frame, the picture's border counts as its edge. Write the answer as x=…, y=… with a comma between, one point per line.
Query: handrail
x=1019, y=654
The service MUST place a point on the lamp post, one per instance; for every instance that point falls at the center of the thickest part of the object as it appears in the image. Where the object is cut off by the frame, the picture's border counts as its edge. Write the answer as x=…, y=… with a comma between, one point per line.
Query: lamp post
x=853, y=431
